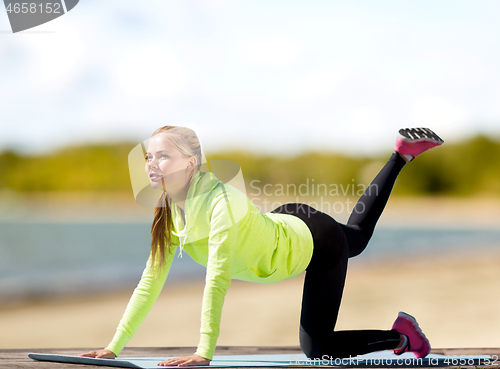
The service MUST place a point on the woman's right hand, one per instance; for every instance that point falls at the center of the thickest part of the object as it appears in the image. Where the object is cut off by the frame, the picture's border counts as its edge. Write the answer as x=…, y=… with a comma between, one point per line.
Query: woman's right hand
x=99, y=354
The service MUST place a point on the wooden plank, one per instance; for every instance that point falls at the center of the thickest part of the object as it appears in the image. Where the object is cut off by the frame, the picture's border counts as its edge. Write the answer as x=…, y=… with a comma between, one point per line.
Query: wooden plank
x=18, y=358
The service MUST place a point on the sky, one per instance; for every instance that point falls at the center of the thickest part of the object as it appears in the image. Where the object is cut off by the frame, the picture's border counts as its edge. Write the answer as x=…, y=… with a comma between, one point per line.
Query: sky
x=269, y=76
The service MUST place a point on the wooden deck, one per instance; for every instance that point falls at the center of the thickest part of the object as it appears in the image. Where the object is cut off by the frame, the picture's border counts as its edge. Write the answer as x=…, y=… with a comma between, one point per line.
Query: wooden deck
x=18, y=358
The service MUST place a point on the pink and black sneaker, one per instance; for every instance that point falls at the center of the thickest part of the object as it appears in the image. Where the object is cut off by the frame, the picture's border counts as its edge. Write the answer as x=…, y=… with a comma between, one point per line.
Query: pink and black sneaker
x=411, y=142
x=417, y=342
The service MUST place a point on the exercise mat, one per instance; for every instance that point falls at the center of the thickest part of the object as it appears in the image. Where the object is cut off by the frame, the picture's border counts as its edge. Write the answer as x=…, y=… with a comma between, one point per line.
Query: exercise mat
x=375, y=359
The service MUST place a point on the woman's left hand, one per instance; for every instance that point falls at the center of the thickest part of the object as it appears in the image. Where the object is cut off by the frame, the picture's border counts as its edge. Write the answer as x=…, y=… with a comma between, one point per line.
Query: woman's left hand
x=193, y=360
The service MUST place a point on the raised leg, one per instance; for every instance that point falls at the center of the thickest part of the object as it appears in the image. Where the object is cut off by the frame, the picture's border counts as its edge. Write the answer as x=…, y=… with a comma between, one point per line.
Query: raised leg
x=367, y=211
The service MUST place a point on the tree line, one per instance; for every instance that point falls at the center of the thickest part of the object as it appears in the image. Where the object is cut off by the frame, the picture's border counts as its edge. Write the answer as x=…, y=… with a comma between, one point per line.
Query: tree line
x=465, y=168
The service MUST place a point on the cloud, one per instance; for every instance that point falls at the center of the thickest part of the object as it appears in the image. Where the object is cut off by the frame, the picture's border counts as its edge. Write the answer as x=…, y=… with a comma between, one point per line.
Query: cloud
x=150, y=70
x=438, y=114
x=317, y=84
x=273, y=52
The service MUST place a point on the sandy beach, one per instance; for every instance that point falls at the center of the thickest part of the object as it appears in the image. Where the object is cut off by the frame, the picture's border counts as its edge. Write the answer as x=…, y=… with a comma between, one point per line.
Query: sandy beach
x=456, y=301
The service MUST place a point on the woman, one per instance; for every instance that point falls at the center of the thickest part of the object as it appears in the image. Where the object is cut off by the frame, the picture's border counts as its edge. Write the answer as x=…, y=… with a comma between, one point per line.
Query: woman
x=220, y=228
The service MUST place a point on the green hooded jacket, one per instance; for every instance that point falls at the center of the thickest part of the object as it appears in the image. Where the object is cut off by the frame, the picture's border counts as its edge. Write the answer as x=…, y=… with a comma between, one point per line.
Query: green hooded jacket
x=227, y=233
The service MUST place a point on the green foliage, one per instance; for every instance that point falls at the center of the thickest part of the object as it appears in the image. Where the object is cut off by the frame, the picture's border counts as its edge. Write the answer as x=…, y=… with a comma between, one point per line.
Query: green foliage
x=467, y=168
x=83, y=168
x=461, y=169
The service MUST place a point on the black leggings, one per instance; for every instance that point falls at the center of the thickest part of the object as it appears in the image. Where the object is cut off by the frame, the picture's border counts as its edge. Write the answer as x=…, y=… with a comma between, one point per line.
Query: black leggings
x=334, y=243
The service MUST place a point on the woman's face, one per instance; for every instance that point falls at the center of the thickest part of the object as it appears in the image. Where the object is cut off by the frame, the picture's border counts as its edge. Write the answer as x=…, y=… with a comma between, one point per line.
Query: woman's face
x=166, y=167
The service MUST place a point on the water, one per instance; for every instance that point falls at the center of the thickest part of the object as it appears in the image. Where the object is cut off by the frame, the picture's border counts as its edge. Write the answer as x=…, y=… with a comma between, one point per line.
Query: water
x=46, y=259
x=40, y=260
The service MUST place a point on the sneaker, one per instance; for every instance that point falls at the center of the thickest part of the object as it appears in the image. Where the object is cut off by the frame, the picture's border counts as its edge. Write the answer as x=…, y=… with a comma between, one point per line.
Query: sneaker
x=418, y=343
x=411, y=142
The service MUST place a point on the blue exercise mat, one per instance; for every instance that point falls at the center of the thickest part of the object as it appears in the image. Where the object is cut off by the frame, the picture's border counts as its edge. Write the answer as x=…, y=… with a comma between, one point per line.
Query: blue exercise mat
x=376, y=359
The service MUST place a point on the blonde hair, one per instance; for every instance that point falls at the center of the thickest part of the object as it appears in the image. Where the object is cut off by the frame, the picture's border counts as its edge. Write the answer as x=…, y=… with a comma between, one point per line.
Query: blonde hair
x=186, y=141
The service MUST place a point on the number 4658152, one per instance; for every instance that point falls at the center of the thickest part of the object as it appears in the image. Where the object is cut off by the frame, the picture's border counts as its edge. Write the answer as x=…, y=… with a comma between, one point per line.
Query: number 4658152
x=33, y=8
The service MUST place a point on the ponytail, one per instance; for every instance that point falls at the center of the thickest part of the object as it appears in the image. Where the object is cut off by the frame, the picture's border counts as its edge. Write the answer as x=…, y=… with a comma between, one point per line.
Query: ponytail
x=161, y=232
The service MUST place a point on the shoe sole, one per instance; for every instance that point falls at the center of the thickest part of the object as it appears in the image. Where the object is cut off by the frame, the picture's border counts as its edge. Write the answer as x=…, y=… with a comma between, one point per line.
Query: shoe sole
x=419, y=135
